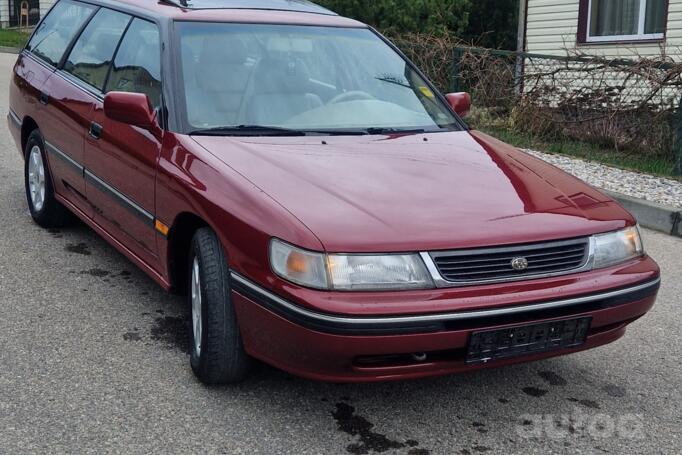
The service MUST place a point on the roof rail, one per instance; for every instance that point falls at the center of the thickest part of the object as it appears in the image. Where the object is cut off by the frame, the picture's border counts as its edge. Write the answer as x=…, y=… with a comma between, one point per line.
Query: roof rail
x=303, y=6
x=181, y=3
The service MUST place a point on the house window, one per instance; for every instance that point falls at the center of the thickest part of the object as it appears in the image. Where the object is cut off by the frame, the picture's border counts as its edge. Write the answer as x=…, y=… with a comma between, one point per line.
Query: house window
x=623, y=20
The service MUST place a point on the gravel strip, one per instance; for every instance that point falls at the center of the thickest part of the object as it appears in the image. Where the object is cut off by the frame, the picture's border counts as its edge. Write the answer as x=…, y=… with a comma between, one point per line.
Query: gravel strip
x=655, y=189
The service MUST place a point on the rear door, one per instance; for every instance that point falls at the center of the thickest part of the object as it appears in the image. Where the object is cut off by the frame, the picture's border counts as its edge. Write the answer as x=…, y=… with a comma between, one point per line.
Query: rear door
x=61, y=110
x=121, y=160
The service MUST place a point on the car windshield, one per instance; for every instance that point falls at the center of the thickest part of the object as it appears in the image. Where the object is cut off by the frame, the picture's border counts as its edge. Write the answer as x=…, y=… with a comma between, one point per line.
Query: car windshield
x=240, y=78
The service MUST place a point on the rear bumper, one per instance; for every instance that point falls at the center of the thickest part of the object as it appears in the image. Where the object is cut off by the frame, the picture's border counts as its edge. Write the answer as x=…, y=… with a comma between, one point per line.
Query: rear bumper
x=341, y=348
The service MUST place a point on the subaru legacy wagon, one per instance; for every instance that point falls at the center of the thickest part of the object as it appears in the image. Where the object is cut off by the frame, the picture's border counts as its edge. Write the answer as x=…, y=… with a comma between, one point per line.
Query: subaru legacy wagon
x=323, y=206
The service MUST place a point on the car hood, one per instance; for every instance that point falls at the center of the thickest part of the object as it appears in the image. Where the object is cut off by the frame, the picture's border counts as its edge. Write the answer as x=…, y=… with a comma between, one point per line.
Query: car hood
x=418, y=192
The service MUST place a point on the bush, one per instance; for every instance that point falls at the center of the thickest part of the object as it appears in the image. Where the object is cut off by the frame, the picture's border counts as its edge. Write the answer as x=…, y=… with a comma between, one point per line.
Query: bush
x=407, y=16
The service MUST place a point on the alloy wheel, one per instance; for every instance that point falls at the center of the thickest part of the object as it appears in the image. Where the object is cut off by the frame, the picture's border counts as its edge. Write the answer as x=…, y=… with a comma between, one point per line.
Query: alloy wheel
x=36, y=178
x=196, y=306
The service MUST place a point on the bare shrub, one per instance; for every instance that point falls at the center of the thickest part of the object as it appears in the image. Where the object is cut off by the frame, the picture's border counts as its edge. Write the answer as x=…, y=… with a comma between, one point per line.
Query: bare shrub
x=628, y=105
x=433, y=54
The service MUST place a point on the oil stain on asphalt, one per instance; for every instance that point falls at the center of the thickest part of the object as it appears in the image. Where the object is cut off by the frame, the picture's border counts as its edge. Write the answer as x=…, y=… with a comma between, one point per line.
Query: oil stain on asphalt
x=480, y=427
x=552, y=378
x=535, y=392
x=587, y=403
x=125, y=275
x=132, y=336
x=78, y=248
x=56, y=233
x=614, y=391
x=172, y=331
x=370, y=441
x=477, y=449
x=95, y=272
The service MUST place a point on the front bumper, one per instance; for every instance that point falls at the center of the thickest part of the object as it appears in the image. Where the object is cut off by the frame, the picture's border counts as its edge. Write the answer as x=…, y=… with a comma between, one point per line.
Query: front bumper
x=355, y=348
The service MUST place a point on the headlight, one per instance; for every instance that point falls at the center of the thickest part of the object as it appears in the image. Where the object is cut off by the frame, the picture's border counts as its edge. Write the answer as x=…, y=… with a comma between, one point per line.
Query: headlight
x=349, y=272
x=395, y=271
x=617, y=247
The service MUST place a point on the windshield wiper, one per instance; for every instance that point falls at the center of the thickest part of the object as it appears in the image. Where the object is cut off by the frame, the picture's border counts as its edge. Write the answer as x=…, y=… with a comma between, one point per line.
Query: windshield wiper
x=340, y=132
x=378, y=130
x=262, y=130
x=248, y=130
x=394, y=82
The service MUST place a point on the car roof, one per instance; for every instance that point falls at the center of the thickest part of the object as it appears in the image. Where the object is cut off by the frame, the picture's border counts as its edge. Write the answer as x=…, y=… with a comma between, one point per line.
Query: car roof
x=302, y=6
x=295, y=12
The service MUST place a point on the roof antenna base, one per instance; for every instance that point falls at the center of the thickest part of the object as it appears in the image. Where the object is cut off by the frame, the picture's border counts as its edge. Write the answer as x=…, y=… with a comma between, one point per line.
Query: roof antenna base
x=181, y=3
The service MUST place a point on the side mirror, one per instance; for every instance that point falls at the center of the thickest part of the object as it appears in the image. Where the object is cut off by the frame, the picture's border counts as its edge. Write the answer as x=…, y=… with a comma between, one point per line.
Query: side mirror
x=130, y=108
x=460, y=102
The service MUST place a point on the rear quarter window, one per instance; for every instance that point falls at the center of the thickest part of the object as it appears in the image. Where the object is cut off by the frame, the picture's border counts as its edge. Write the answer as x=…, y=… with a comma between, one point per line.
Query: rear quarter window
x=55, y=32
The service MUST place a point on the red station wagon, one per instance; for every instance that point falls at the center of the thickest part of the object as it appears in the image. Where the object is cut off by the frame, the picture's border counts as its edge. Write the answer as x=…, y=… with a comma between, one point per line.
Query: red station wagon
x=322, y=205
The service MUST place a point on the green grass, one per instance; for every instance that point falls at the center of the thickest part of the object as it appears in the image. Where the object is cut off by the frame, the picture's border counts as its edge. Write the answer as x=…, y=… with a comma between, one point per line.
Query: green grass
x=13, y=38
x=631, y=161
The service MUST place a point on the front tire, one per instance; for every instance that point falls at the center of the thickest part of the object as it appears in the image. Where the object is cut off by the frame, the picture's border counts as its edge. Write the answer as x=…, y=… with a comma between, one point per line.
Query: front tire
x=45, y=210
x=217, y=351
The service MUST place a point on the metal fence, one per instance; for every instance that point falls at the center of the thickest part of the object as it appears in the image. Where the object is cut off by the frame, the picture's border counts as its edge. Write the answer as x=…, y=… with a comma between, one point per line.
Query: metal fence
x=633, y=106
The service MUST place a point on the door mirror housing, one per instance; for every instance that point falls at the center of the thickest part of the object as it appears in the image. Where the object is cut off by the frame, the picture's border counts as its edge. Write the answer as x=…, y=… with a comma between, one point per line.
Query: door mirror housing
x=460, y=102
x=130, y=108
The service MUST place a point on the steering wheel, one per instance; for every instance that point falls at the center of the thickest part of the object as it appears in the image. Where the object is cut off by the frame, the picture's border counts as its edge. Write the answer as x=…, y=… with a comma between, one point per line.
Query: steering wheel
x=353, y=95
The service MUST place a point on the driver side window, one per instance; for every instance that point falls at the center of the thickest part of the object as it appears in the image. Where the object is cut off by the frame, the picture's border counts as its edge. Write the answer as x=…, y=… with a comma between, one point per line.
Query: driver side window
x=137, y=66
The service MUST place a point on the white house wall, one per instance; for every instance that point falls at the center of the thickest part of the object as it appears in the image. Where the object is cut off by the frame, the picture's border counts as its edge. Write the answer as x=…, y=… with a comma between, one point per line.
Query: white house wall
x=45, y=6
x=553, y=25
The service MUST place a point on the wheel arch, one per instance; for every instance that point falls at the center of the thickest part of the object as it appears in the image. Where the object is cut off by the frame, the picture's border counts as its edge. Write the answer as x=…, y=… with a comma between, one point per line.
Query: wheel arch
x=28, y=125
x=179, y=244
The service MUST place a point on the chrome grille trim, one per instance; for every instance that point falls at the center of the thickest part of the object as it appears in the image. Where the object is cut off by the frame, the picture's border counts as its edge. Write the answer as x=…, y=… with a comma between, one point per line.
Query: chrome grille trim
x=479, y=263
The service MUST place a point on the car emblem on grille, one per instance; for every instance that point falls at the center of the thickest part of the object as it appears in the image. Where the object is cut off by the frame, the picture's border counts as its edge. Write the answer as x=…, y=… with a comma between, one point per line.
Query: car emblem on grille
x=519, y=264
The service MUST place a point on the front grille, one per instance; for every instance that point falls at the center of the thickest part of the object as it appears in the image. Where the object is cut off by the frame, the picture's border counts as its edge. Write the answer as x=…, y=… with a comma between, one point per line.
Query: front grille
x=496, y=264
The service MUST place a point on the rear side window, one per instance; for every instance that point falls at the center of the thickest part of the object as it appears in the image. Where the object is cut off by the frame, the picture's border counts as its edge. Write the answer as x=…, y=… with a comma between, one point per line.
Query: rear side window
x=91, y=55
x=50, y=40
x=137, y=66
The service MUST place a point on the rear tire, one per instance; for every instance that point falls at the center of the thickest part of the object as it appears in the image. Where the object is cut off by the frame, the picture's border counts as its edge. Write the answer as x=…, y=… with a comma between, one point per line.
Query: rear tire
x=217, y=351
x=45, y=210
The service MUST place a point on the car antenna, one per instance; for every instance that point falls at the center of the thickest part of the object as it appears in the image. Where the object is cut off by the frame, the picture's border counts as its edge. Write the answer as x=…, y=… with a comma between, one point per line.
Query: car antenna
x=182, y=3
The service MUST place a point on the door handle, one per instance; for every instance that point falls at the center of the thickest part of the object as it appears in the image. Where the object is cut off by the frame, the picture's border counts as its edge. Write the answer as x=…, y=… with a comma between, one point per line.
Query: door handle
x=95, y=130
x=44, y=98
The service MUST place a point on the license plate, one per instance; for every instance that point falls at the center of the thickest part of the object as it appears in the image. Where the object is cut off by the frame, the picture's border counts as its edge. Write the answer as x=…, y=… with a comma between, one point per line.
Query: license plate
x=518, y=341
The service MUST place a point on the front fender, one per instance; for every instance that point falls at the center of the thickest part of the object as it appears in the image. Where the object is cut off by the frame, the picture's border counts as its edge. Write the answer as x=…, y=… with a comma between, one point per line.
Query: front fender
x=192, y=180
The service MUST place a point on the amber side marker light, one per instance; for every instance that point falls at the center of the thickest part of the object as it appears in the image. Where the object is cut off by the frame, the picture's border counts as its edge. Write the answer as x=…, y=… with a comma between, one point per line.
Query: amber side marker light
x=161, y=228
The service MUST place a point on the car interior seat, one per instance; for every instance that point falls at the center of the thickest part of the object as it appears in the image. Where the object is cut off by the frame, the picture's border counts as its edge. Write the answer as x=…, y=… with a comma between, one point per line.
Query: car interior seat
x=221, y=76
x=281, y=89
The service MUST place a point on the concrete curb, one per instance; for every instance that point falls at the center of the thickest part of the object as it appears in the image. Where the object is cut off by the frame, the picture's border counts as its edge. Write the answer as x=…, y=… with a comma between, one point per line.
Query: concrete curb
x=652, y=215
x=9, y=50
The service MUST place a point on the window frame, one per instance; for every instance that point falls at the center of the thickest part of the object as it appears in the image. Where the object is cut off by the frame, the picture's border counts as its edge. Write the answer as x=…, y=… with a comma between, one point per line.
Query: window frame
x=585, y=22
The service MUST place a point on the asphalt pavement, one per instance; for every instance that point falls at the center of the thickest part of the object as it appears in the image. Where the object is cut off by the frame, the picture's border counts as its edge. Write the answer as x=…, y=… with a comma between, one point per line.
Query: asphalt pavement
x=93, y=359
